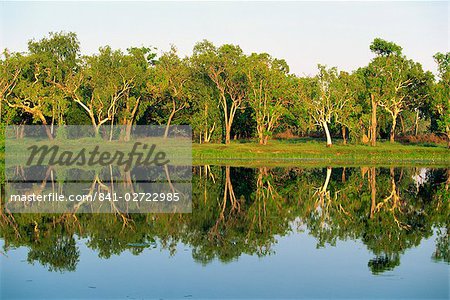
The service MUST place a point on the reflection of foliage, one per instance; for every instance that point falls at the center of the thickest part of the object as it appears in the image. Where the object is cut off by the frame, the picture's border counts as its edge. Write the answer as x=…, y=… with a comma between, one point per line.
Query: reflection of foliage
x=58, y=253
x=442, y=246
x=241, y=211
x=383, y=263
x=51, y=240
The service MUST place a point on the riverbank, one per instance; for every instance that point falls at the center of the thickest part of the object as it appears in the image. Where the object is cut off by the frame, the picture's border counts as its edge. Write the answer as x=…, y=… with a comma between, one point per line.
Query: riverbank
x=314, y=153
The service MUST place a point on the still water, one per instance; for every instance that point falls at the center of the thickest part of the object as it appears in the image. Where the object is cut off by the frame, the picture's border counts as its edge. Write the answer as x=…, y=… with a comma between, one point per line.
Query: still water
x=253, y=233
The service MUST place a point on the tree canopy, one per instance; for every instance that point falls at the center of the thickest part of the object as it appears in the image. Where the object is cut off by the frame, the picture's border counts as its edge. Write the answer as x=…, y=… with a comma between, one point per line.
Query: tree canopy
x=222, y=92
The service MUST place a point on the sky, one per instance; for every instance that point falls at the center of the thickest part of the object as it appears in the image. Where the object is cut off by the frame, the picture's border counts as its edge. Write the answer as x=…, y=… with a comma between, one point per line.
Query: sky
x=303, y=33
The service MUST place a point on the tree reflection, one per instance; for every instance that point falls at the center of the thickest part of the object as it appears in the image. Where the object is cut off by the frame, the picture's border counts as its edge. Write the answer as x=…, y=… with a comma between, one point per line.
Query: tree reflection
x=243, y=211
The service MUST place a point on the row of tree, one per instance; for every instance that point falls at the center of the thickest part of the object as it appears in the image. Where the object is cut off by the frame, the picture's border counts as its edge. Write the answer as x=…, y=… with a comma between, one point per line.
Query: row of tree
x=221, y=92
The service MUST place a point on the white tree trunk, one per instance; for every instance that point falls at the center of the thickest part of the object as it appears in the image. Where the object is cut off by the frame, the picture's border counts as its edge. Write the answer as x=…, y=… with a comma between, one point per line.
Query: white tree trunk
x=327, y=132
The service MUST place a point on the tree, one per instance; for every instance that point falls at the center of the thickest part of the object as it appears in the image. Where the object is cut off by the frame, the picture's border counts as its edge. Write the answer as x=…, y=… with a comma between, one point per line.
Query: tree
x=113, y=85
x=321, y=95
x=10, y=70
x=348, y=88
x=384, y=48
x=172, y=83
x=375, y=75
x=270, y=89
x=31, y=94
x=48, y=61
x=224, y=67
x=205, y=114
x=136, y=63
x=441, y=94
x=396, y=80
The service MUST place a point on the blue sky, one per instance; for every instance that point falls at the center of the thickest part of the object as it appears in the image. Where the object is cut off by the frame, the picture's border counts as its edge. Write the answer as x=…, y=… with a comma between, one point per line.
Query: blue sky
x=303, y=33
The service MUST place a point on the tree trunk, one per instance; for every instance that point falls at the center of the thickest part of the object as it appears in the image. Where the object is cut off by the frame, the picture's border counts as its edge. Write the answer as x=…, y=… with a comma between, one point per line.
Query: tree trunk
x=373, y=125
x=128, y=131
x=227, y=133
x=344, y=136
x=394, y=123
x=448, y=136
x=166, y=132
x=48, y=132
x=327, y=132
x=416, y=123
x=260, y=134
x=44, y=123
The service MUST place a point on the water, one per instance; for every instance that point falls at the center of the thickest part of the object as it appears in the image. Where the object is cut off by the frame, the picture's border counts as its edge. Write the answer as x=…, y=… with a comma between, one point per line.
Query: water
x=279, y=233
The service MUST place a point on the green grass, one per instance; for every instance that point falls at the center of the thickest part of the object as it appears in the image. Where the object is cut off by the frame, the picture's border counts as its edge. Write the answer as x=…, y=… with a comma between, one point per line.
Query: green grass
x=314, y=153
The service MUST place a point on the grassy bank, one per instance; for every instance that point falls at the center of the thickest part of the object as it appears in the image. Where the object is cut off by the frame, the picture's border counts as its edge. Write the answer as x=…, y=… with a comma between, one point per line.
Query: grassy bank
x=315, y=153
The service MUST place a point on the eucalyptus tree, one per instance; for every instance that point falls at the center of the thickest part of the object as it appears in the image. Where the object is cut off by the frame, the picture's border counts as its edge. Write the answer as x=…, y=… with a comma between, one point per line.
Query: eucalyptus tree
x=205, y=114
x=377, y=74
x=32, y=94
x=113, y=85
x=270, y=90
x=172, y=84
x=60, y=57
x=441, y=94
x=321, y=95
x=136, y=66
x=349, y=87
x=33, y=90
x=224, y=66
x=404, y=84
x=10, y=69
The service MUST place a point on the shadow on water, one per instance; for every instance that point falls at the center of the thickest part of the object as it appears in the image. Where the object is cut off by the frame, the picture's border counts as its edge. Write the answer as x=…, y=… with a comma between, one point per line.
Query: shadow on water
x=238, y=211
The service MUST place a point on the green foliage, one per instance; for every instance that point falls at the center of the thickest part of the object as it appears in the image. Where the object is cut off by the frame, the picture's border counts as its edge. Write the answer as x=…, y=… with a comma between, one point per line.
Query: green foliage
x=384, y=48
x=220, y=91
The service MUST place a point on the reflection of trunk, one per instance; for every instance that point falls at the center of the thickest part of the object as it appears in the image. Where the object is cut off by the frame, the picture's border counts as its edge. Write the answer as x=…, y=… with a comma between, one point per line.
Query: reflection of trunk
x=207, y=173
x=373, y=125
x=264, y=193
x=264, y=188
x=322, y=193
x=392, y=203
x=229, y=192
x=373, y=190
x=343, y=175
x=327, y=180
x=327, y=132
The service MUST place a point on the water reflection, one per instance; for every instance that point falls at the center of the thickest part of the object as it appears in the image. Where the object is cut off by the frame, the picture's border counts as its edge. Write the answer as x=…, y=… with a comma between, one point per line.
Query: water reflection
x=240, y=211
